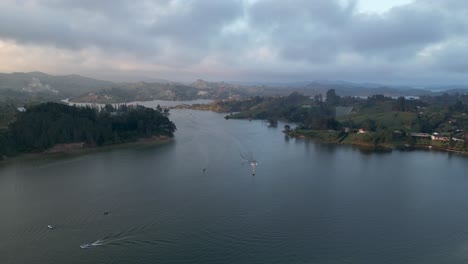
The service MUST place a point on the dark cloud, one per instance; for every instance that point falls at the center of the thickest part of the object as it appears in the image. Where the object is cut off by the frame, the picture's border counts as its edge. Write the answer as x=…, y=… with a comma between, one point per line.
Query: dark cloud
x=451, y=57
x=276, y=13
x=302, y=30
x=110, y=8
x=196, y=20
x=319, y=30
x=37, y=24
x=402, y=31
x=295, y=39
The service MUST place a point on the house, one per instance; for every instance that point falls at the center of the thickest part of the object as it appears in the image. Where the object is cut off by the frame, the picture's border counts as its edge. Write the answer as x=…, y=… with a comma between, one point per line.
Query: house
x=21, y=109
x=437, y=136
x=362, y=131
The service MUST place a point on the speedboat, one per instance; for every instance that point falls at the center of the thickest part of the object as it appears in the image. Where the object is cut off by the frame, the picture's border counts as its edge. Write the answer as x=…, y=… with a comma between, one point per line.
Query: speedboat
x=87, y=245
x=50, y=226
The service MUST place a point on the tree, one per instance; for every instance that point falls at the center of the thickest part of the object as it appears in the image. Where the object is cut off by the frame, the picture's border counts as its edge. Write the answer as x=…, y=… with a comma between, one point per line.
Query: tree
x=369, y=125
x=272, y=122
x=400, y=104
x=318, y=99
x=457, y=107
x=109, y=108
x=332, y=98
x=159, y=108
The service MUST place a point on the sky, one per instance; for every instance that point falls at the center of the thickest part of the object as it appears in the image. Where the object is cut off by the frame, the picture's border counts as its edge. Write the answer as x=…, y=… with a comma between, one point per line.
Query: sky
x=414, y=42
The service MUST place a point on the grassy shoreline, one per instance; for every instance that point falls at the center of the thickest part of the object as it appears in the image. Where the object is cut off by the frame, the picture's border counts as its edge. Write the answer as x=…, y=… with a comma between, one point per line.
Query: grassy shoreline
x=334, y=137
x=84, y=150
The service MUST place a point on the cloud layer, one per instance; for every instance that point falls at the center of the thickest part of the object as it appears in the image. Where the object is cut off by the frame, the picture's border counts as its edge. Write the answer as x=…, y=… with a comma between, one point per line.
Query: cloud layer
x=422, y=42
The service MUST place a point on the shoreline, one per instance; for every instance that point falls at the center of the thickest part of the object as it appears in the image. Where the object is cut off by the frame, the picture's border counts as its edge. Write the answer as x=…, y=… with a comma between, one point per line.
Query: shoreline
x=377, y=148
x=72, y=149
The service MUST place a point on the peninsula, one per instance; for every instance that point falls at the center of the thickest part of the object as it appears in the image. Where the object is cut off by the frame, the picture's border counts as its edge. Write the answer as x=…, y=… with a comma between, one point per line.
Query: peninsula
x=55, y=127
x=378, y=121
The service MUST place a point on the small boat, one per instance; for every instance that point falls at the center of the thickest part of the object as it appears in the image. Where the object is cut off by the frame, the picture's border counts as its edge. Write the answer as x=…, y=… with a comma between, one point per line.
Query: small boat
x=50, y=226
x=89, y=245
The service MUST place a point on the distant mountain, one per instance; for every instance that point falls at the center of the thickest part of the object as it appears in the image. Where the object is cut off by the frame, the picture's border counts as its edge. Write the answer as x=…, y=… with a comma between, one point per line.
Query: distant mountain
x=152, y=80
x=201, y=84
x=61, y=86
x=346, y=88
x=27, y=87
x=354, y=89
x=448, y=88
x=140, y=91
x=200, y=89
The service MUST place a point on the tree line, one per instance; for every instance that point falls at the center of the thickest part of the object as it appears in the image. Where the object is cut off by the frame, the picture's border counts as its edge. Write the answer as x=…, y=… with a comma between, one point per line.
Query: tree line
x=316, y=113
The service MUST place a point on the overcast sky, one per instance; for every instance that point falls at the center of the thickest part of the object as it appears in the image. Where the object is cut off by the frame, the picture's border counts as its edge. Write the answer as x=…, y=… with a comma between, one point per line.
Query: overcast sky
x=393, y=41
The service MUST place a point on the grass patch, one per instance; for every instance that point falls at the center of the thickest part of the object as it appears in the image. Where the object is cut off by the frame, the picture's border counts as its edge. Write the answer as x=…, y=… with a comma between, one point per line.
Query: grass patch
x=387, y=120
x=323, y=135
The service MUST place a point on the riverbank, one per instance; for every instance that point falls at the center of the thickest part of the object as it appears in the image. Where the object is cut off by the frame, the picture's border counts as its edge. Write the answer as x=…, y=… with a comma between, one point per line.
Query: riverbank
x=74, y=149
x=82, y=147
x=369, y=141
x=214, y=107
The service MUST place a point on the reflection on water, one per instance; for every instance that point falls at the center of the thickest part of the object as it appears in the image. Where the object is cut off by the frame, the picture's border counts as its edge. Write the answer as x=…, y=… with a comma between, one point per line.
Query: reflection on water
x=373, y=150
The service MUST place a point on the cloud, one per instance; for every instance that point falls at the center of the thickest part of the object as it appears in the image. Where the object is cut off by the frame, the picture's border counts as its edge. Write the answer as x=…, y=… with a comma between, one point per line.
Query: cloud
x=241, y=39
x=33, y=23
x=404, y=29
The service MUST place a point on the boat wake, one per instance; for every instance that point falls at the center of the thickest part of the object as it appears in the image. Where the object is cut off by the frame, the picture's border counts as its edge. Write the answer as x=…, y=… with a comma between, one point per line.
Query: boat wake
x=116, y=239
x=94, y=244
x=101, y=242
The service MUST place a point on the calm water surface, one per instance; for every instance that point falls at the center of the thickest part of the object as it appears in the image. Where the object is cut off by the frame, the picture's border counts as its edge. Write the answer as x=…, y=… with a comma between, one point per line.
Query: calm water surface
x=308, y=203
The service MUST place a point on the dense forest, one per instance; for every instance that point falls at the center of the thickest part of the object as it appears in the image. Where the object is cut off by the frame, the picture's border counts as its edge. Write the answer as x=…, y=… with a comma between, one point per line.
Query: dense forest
x=46, y=125
x=297, y=108
x=310, y=113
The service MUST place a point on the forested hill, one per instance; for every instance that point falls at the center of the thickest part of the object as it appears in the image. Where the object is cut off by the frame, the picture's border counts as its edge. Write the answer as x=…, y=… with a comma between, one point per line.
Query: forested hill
x=46, y=125
x=439, y=122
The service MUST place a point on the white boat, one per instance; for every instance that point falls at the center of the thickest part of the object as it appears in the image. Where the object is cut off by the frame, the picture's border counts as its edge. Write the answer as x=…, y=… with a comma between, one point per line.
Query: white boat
x=87, y=245
x=50, y=226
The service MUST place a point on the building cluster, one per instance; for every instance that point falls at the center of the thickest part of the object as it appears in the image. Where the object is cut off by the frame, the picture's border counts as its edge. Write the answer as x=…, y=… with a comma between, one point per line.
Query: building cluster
x=436, y=137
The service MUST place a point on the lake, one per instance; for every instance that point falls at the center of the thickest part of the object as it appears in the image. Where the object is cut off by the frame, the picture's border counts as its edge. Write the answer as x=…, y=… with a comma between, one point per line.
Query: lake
x=308, y=202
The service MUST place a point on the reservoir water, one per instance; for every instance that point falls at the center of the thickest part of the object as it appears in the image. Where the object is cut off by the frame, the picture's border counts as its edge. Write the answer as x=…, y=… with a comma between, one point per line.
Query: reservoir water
x=308, y=202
